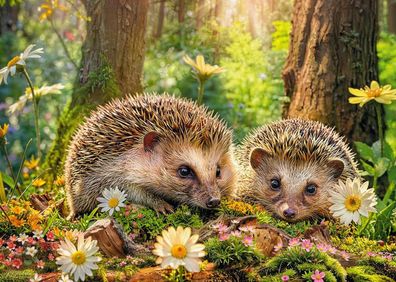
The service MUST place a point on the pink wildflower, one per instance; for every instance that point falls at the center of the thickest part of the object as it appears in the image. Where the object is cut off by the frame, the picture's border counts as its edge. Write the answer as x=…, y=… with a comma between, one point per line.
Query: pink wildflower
x=17, y=263
x=278, y=246
x=224, y=236
x=11, y=245
x=19, y=250
x=318, y=276
x=40, y=264
x=123, y=263
x=31, y=240
x=294, y=242
x=345, y=255
x=236, y=233
x=13, y=238
x=247, y=240
x=323, y=247
x=371, y=254
x=306, y=244
x=51, y=257
x=332, y=250
x=50, y=236
x=1, y=242
x=285, y=278
x=221, y=228
x=247, y=228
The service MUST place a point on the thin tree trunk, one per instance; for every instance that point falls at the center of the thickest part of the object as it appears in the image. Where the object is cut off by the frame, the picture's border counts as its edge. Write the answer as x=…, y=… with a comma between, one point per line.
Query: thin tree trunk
x=333, y=47
x=199, y=14
x=181, y=11
x=161, y=18
x=392, y=16
x=251, y=9
x=111, y=66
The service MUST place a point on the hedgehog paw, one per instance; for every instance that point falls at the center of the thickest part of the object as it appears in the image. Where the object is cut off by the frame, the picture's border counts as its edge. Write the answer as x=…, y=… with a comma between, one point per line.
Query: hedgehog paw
x=164, y=208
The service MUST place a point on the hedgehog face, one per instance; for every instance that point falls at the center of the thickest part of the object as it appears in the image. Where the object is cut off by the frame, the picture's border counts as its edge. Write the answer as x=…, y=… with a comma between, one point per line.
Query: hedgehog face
x=189, y=174
x=199, y=177
x=293, y=191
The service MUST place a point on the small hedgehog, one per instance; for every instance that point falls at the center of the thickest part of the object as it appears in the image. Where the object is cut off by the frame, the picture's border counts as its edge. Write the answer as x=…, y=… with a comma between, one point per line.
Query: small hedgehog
x=289, y=166
x=160, y=150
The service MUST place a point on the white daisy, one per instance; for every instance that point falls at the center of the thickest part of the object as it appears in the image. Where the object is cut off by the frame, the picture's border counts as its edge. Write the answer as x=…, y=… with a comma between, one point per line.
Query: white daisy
x=178, y=247
x=31, y=251
x=351, y=200
x=38, y=234
x=78, y=261
x=65, y=278
x=39, y=92
x=11, y=67
x=22, y=238
x=112, y=200
x=36, y=278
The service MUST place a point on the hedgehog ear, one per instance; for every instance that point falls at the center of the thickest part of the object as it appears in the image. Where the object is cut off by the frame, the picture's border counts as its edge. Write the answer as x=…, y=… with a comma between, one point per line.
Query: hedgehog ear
x=337, y=166
x=257, y=157
x=150, y=140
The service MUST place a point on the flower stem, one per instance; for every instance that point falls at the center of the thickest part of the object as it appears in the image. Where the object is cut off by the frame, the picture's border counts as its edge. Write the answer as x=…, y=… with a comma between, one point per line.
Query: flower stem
x=8, y=161
x=365, y=224
x=63, y=44
x=380, y=129
x=36, y=112
x=6, y=215
x=201, y=90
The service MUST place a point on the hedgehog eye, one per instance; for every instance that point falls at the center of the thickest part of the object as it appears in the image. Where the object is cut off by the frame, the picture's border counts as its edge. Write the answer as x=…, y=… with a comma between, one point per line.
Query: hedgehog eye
x=218, y=172
x=310, y=190
x=185, y=172
x=275, y=184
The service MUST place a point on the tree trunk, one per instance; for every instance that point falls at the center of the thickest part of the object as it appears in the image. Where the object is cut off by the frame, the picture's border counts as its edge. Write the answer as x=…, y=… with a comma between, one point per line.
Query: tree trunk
x=161, y=18
x=111, y=66
x=333, y=47
x=251, y=7
x=181, y=11
x=199, y=14
x=8, y=17
x=392, y=16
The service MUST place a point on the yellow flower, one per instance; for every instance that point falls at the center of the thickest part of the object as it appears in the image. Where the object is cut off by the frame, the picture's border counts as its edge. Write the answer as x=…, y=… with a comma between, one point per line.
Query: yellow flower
x=3, y=130
x=203, y=71
x=38, y=182
x=60, y=181
x=57, y=232
x=17, y=210
x=15, y=221
x=33, y=163
x=34, y=216
x=47, y=9
x=39, y=92
x=383, y=95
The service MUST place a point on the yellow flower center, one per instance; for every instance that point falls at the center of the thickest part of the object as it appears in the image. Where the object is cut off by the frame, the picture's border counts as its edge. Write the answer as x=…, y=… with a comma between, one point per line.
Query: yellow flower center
x=13, y=61
x=78, y=257
x=353, y=203
x=113, y=202
x=372, y=93
x=179, y=251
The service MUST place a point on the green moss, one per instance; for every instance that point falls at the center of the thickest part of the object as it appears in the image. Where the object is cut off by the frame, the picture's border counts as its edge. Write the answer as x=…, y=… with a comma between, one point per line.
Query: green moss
x=381, y=265
x=231, y=252
x=365, y=274
x=100, y=88
x=302, y=261
x=183, y=216
x=16, y=275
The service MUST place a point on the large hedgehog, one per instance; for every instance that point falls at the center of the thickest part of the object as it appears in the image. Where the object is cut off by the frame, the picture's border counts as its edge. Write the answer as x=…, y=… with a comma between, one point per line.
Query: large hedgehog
x=289, y=166
x=160, y=150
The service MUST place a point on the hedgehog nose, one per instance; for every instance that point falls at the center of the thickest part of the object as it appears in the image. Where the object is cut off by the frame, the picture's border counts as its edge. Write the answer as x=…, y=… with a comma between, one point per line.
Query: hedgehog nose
x=213, y=203
x=289, y=213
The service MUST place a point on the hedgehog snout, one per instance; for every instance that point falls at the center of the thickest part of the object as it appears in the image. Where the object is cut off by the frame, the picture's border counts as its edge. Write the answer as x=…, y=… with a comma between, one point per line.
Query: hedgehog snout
x=213, y=202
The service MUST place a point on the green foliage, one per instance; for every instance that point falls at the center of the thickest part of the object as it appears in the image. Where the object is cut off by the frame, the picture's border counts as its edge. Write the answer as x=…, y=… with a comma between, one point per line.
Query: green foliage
x=280, y=37
x=184, y=217
x=247, y=83
x=301, y=261
x=231, y=252
x=381, y=265
x=365, y=274
x=16, y=275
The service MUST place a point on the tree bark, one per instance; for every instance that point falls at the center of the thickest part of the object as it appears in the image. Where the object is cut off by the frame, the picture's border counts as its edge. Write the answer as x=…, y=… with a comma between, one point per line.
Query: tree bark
x=199, y=14
x=333, y=47
x=111, y=66
x=251, y=7
x=181, y=11
x=161, y=18
x=392, y=16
